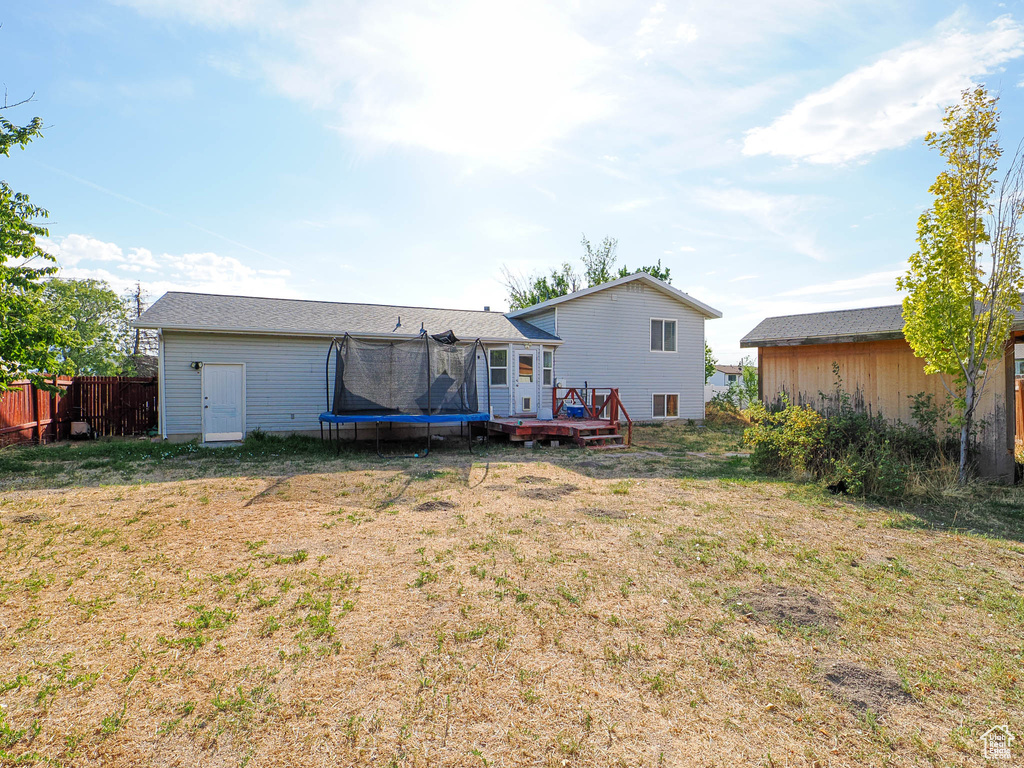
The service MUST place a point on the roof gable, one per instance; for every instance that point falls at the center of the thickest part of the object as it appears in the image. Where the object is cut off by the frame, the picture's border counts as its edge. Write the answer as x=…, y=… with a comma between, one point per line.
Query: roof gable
x=246, y=314
x=660, y=285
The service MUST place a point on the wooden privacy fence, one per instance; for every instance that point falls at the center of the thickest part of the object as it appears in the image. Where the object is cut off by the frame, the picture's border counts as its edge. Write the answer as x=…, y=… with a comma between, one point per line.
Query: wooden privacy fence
x=112, y=405
x=32, y=415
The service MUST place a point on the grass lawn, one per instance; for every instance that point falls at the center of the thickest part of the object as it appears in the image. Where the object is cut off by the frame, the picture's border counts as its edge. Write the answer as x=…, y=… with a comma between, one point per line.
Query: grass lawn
x=272, y=604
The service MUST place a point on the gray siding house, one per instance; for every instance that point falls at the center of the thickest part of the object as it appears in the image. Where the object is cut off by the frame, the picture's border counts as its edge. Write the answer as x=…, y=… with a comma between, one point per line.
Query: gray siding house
x=636, y=333
x=265, y=358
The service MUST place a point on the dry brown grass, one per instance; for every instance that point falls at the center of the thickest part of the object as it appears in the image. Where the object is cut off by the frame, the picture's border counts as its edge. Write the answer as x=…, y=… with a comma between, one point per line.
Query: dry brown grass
x=444, y=613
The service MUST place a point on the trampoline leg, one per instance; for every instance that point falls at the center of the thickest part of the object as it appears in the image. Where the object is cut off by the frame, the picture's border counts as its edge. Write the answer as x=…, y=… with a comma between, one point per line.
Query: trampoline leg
x=321, y=431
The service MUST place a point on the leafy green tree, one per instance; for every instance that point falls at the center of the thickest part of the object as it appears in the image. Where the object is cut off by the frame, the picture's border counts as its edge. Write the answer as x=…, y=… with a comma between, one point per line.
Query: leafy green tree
x=96, y=320
x=28, y=334
x=964, y=282
x=598, y=268
x=710, y=361
x=744, y=392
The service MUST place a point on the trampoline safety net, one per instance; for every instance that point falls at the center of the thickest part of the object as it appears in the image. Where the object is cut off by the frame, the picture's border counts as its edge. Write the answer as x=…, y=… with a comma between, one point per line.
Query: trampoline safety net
x=424, y=376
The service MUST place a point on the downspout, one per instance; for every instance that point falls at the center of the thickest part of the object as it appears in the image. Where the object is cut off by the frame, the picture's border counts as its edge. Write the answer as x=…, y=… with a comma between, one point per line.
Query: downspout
x=161, y=386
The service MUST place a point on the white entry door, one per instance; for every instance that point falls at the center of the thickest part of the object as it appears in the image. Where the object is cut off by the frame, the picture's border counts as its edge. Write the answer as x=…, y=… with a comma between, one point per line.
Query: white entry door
x=223, y=401
x=524, y=382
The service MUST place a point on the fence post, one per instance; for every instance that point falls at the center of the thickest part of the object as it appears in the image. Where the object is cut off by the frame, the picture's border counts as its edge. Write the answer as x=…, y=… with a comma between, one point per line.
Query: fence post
x=35, y=411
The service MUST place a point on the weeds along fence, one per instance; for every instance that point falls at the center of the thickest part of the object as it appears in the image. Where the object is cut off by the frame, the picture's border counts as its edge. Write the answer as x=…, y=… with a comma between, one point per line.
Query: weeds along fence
x=112, y=405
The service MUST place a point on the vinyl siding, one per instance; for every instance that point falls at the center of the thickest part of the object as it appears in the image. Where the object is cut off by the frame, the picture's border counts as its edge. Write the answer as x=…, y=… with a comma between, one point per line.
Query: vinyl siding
x=607, y=343
x=546, y=320
x=284, y=379
x=284, y=383
x=500, y=396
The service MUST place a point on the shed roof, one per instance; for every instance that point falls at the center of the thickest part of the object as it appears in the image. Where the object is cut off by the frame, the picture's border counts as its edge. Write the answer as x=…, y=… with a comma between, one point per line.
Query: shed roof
x=661, y=285
x=844, y=325
x=177, y=310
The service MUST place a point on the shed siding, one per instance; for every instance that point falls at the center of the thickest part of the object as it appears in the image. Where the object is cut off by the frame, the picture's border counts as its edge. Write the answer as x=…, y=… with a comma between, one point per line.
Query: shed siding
x=606, y=342
x=881, y=377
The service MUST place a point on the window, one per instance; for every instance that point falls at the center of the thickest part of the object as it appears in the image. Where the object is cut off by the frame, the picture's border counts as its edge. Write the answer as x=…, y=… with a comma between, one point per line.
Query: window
x=731, y=378
x=526, y=367
x=666, y=406
x=499, y=367
x=549, y=362
x=663, y=335
x=1020, y=367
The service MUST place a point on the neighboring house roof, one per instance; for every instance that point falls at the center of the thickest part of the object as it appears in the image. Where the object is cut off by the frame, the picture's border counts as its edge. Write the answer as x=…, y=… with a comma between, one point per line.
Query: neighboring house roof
x=296, y=317
x=729, y=369
x=661, y=285
x=869, y=324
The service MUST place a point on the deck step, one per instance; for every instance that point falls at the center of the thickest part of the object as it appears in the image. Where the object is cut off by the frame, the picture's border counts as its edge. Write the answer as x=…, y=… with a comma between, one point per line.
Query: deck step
x=606, y=447
x=600, y=437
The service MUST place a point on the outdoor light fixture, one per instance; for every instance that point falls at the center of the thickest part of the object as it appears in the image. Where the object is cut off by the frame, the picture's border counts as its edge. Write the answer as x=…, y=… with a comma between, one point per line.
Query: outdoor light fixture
x=195, y=365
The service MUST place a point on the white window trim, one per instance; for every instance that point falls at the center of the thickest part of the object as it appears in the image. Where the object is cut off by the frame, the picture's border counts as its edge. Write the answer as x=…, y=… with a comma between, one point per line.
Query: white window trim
x=544, y=370
x=663, y=321
x=666, y=395
x=507, y=366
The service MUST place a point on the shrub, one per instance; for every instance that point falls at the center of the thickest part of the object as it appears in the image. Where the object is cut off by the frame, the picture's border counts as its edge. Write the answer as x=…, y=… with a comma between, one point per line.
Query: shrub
x=850, y=451
x=719, y=413
x=783, y=441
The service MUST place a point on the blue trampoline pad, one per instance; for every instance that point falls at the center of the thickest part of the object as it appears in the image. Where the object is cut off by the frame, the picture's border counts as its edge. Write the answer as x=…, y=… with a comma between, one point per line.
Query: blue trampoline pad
x=402, y=418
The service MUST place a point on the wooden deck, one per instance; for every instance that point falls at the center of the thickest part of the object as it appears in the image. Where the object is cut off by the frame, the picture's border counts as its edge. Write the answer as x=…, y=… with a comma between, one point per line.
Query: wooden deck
x=591, y=433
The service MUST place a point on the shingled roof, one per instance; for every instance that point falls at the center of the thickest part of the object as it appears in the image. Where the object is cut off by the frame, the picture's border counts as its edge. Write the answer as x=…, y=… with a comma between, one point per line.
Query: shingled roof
x=246, y=314
x=869, y=324
x=844, y=325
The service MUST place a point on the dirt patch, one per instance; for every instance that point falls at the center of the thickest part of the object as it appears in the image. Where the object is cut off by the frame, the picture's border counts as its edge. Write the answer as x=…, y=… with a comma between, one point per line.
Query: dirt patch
x=434, y=506
x=30, y=519
x=500, y=487
x=549, y=493
x=787, y=605
x=592, y=464
x=532, y=479
x=603, y=514
x=864, y=688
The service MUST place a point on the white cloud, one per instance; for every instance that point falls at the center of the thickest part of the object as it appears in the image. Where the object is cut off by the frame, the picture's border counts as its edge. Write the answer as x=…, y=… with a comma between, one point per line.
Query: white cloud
x=850, y=285
x=891, y=102
x=779, y=215
x=81, y=256
x=687, y=248
x=492, y=83
x=628, y=206
x=508, y=227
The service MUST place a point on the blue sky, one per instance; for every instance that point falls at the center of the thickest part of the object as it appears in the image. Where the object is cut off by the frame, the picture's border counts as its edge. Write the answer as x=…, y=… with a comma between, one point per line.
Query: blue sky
x=771, y=154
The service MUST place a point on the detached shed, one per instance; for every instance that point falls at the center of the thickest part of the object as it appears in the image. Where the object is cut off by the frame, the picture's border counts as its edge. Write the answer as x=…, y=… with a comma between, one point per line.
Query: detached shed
x=796, y=355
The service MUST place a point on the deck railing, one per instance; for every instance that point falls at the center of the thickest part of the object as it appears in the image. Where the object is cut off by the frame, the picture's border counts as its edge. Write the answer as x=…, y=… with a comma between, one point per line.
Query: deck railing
x=600, y=403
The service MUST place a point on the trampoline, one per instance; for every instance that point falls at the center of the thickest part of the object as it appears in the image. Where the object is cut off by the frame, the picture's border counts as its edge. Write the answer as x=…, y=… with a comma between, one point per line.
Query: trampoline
x=425, y=380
